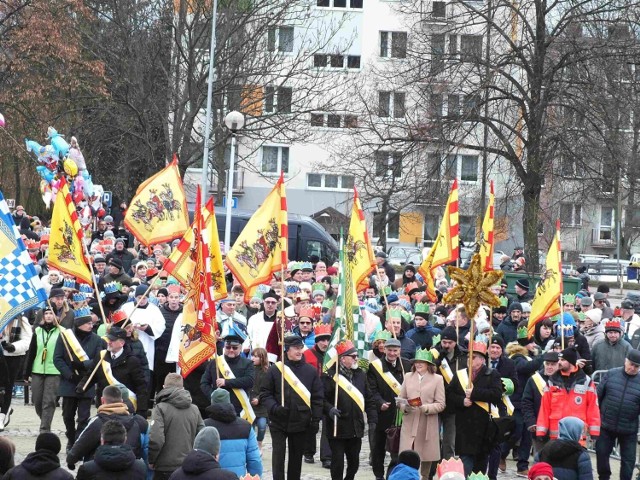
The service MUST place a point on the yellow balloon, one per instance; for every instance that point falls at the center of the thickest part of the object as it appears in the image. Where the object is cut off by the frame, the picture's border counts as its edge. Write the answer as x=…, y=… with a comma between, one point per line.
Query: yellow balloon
x=70, y=167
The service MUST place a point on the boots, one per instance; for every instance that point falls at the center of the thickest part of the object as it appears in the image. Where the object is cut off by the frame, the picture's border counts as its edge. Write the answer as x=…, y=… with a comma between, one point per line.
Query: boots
x=7, y=417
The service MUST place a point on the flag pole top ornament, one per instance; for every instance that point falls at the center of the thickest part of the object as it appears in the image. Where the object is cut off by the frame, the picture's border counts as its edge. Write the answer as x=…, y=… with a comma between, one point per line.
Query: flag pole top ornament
x=473, y=287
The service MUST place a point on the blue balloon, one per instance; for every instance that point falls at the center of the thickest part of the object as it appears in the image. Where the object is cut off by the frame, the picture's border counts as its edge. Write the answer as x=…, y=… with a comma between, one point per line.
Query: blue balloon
x=58, y=143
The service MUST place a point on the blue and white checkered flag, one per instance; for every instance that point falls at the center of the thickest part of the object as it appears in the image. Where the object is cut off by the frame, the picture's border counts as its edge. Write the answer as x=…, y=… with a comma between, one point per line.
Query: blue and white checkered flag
x=20, y=287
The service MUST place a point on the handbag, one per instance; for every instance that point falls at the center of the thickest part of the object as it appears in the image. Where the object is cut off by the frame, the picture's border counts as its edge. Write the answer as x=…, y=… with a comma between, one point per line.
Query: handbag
x=501, y=429
x=392, y=444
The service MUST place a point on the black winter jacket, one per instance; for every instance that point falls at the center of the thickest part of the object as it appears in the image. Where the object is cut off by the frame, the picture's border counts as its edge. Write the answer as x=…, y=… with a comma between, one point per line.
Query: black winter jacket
x=162, y=343
x=242, y=369
x=89, y=440
x=508, y=330
x=113, y=462
x=200, y=465
x=619, y=399
x=459, y=361
x=382, y=393
x=351, y=421
x=531, y=400
x=92, y=344
x=40, y=465
x=525, y=367
x=300, y=416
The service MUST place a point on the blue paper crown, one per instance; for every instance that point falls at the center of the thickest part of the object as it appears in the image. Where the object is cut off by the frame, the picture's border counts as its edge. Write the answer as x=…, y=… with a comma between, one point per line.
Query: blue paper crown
x=78, y=297
x=306, y=266
x=82, y=312
x=112, y=287
x=86, y=289
x=68, y=283
x=292, y=288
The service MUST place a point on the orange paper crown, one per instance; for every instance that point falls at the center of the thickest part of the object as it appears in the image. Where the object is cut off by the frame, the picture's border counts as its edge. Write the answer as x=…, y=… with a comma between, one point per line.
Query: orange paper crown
x=613, y=323
x=344, y=347
x=307, y=312
x=118, y=316
x=480, y=347
x=250, y=477
x=451, y=469
x=322, y=329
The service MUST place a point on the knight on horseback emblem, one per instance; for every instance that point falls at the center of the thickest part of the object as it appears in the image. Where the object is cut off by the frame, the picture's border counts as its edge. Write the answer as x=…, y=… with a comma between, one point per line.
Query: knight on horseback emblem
x=254, y=255
x=160, y=206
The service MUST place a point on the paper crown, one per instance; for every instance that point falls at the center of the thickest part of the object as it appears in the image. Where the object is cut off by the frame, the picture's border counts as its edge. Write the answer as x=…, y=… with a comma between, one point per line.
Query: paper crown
x=248, y=476
x=386, y=290
x=335, y=281
x=422, y=307
x=78, y=297
x=382, y=335
x=291, y=287
x=229, y=330
x=307, y=312
x=569, y=298
x=322, y=330
x=522, y=332
x=477, y=476
x=328, y=303
x=68, y=283
x=345, y=347
x=112, y=287
x=306, y=266
x=173, y=289
x=508, y=386
x=118, y=316
x=424, y=355
x=480, y=347
x=31, y=244
x=393, y=313
x=86, y=289
x=504, y=301
x=451, y=469
x=613, y=324
x=44, y=239
x=82, y=312
x=318, y=286
x=293, y=266
x=435, y=340
x=404, y=297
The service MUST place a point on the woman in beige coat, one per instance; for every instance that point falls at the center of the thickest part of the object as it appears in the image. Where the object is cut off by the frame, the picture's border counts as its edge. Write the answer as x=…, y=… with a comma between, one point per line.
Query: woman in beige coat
x=423, y=389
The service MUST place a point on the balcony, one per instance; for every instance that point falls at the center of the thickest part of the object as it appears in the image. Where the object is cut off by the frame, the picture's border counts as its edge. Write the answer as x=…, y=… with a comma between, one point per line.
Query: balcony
x=603, y=237
x=238, y=182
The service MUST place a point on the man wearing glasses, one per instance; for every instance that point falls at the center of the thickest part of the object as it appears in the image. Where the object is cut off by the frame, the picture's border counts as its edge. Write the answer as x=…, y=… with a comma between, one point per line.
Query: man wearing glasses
x=305, y=327
x=234, y=372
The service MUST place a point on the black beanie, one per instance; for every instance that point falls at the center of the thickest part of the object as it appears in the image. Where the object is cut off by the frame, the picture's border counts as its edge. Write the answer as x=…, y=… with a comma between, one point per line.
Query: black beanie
x=48, y=441
x=570, y=355
x=410, y=458
x=449, y=333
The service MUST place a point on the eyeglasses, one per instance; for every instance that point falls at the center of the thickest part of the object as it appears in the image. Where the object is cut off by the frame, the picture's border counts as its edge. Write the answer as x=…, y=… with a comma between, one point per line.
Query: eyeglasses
x=304, y=323
x=354, y=356
x=270, y=303
x=231, y=347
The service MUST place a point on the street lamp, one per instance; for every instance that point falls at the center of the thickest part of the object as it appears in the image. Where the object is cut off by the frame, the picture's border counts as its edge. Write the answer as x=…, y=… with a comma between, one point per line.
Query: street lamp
x=234, y=122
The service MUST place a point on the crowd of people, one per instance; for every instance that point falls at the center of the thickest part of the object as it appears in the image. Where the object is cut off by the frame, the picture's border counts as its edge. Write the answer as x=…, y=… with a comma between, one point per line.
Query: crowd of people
x=418, y=389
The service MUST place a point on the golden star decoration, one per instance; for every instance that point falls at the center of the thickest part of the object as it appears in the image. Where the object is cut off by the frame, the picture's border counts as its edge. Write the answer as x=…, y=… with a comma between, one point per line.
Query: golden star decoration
x=473, y=287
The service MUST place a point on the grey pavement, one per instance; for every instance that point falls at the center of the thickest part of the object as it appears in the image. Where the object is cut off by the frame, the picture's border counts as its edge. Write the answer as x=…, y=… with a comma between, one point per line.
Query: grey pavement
x=24, y=427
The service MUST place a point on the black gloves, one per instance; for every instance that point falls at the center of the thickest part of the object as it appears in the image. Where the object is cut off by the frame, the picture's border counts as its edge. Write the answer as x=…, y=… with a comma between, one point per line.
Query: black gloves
x=80, y=388
x=281, y=412
x=334, y=412
x=314, y=427
x=8, y=347
x=77, y=365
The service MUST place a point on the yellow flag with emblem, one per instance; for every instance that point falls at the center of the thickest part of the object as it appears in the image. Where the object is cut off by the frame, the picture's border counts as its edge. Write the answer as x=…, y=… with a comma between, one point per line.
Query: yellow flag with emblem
x=357, y=248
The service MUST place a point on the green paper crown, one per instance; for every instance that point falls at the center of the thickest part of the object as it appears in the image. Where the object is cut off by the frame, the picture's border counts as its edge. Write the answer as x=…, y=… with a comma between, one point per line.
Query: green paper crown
x=569, y=298
x=424, y=355
x=581, y=316
x=435, y=340
x=522, y=332
x=504, y=301
x=335, y=281
x=394, y=314
x=555, y=318
x=387, y=290
x=328, y=303
x=422, y=307
x=508, y=386
x=257, y=294
x=382, y=335
x=477, y=476
x=317, y=286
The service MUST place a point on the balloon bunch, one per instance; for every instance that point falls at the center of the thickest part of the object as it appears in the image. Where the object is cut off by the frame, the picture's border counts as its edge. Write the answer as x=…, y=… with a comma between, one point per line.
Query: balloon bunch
x=60, y=159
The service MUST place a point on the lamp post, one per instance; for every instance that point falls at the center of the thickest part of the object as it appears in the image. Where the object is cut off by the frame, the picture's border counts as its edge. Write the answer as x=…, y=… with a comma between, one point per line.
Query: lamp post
x=207, y=122
x=234, y=122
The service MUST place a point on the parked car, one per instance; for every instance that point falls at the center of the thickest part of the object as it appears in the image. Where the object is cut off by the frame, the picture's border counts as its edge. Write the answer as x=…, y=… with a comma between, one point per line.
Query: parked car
x=398, y=256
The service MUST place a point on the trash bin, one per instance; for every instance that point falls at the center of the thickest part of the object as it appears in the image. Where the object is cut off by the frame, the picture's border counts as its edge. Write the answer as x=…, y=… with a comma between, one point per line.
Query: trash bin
x=632, y=273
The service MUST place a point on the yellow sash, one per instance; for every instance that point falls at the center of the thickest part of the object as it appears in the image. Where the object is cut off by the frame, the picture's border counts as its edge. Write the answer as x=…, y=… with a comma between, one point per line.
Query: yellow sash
x=387, y=376
x=108, y=374
x=247, y=410
x=463, y=377
x=295, y=383
x=74, y=344
x=348, y=388
x=445, y=369
x=539, y=381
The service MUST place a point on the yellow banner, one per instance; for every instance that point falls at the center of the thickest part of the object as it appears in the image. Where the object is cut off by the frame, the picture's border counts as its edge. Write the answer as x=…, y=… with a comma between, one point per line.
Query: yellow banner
x=295, y=384
x=247, y=410
x=66, y=252
x=386, y=376
x=108, y=374
x=74, y=344
x=158, y=211
x=463, y=377
x=348, y=388
x=357, y=248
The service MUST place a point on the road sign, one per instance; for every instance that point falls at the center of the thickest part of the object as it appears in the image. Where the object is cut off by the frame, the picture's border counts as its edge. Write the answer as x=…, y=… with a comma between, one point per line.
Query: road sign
x=107, y=198
x=234, y=202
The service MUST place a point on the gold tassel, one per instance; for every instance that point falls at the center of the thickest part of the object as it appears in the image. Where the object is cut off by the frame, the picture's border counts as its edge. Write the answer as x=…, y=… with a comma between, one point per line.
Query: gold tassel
x=44, y=354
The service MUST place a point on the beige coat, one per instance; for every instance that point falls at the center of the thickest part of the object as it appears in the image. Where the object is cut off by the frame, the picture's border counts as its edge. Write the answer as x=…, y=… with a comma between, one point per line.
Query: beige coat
x=420, y=427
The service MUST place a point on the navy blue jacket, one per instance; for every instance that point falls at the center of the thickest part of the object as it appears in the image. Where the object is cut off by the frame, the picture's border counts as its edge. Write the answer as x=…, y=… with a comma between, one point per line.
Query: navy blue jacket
x=525, y=367
x=619, y=399
x=423, y=336
x=508, y=330
x=569, y=460
x=531, y=400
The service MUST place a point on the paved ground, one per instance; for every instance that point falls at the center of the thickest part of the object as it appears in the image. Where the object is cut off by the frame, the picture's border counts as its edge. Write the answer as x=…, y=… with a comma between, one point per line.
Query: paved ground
x=24, y=426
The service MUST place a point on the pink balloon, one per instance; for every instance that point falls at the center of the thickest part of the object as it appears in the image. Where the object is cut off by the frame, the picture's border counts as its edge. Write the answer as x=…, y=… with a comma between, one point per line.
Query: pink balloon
x=1, y=120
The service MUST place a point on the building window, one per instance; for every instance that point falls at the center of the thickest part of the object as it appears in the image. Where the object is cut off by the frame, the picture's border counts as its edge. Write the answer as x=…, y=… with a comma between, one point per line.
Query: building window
x=431, y=227
x=340, y=3
x=388, y=163
x=570, y=214
x=436, y=105
x=391, y=104
x=280, y=38
x=467, y=228
x=439, y=10
x=393, y=44
x=453, y=46
x=392, y=223
x=437, y=53
x=326, y=180
x=333, y=120
x=568, y=166
x=324, y=60
x=278, y=99
x=470, y=48
x=471, y=104
x=275, y=159
x=453, y=106
x=463, y=167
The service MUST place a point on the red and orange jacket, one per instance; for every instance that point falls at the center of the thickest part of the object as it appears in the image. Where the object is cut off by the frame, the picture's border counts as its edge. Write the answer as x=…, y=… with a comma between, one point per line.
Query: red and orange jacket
x=580, y=400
